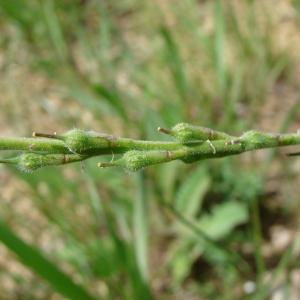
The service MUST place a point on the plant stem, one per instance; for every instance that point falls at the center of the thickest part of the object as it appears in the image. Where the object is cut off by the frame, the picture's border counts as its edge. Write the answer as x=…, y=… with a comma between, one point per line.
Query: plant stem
x=142, y=153
x=33, y=144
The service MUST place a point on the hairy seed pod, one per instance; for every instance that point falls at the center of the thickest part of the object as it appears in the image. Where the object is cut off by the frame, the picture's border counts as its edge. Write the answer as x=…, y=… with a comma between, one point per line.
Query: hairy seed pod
x=256, y=139
x=135, y=160
x=87, y=142
x=186, y=133
x=29, y=162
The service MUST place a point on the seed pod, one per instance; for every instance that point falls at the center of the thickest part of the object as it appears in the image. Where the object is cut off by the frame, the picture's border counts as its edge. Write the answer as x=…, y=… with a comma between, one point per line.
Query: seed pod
x=186, y=133
x=29, y=162
x=136, y=160
x=256, y=139
x=87, y=142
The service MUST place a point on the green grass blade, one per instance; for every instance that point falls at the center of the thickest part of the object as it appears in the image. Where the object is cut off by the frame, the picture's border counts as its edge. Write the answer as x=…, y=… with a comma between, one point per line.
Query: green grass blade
x=192, y=191
x=140, y=227
x=175, y=62
x=17, y=11
x=112, y=97
x=32, y=258
x=55, y=31
x=219, y=46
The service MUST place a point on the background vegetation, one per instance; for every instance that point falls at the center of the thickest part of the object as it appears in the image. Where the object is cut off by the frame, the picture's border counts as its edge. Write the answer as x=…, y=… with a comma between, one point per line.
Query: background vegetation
x=223, y=229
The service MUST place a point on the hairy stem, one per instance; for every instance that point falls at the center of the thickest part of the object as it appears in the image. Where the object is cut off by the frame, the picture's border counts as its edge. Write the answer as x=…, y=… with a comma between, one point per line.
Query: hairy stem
x=33, y=144
x=192, y=143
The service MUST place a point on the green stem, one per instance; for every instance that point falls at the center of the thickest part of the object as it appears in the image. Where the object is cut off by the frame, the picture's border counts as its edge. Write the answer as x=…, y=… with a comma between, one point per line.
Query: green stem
x=122, y=145
x=190, y=146
x=33, y=144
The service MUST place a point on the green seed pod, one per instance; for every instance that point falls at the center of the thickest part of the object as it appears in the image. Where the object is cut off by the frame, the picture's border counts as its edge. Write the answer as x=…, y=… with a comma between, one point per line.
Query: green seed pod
x=135, y=160
x=256, y=139
x=186, y=133
x=29, y=162
x=86, y=142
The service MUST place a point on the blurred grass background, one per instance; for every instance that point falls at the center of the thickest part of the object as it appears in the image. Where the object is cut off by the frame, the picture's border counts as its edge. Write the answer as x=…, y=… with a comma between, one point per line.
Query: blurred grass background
x=224, y=229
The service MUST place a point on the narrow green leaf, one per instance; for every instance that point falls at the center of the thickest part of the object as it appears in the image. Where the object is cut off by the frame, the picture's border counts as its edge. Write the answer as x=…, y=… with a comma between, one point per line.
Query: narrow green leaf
x=180, y=262
x=167, y=175
x=33, y=259
x=175, y=62
x=55, y=30
x=219, y=46
x=192, y=191
x=89, y=100
x=112, y=97
x=140, y=227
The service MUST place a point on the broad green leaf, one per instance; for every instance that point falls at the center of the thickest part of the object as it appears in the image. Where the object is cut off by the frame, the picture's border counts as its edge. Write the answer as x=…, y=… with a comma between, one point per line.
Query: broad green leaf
x=223, y=219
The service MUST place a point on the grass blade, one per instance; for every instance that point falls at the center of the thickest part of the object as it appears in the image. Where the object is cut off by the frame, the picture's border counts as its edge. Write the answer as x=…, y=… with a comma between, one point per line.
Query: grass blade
x=33, y=259
x=219, y=46
x=175, y=62
x=55, y=31
x=192, y=191
x=140, y=227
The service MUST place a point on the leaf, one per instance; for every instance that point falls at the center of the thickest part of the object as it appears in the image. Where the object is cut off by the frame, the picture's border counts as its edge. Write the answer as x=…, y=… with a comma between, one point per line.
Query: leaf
x=167, y=175
x=219, y=46
x=140, y=222
x=55, y=31
x=192, y=191
x=112, y=97
x=175, y=62
x=33, y=259
x=19, y=12
x=223, y=219
x=180, y=262
x=89, y=100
